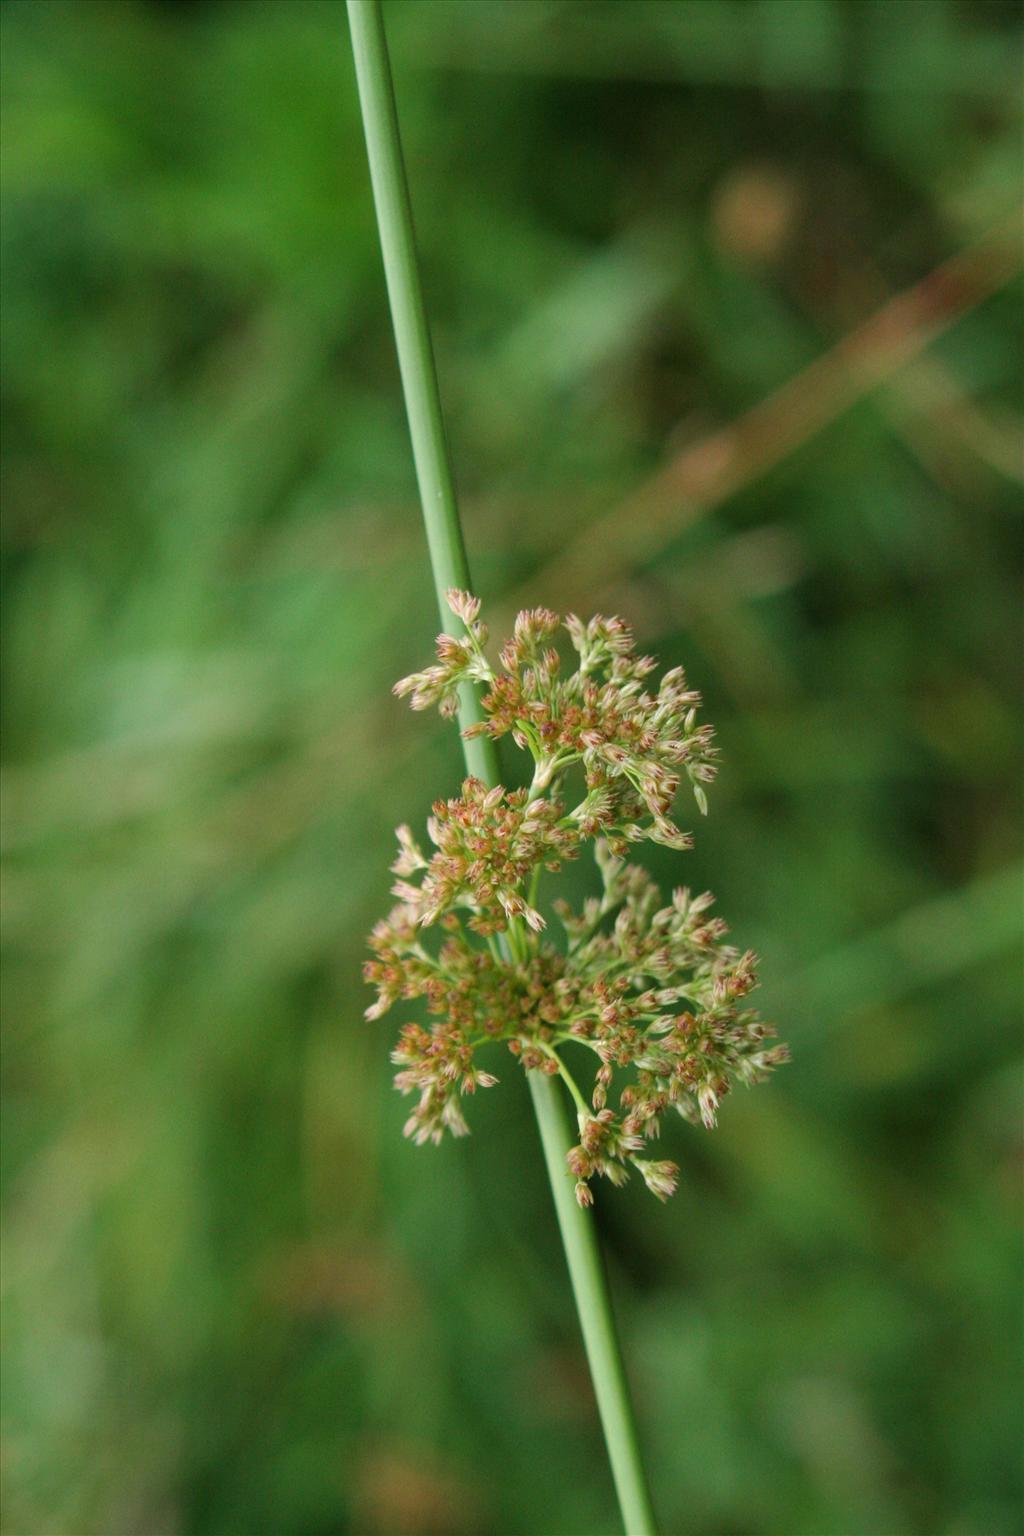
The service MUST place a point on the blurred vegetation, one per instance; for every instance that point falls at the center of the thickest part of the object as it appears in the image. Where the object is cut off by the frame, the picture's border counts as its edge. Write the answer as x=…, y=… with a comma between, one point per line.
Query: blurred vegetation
x=235, y=1301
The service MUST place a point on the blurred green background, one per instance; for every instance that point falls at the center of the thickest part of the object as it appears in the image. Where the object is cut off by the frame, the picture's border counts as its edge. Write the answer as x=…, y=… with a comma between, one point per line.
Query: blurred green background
x=236, y=1303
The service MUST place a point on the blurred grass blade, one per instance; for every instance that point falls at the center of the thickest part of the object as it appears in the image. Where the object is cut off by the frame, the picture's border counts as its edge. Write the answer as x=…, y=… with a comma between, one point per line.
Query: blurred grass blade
x=717, y=467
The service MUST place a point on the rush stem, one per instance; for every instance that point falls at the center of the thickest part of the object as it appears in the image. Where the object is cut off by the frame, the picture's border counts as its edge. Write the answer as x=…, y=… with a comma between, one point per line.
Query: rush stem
x=451, y=569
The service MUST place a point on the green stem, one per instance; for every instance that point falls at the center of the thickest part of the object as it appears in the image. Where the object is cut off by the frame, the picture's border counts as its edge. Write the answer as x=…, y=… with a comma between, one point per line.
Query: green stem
x=567, y=1078
x=412, y=338
x=590, y=1288
x=451, y=569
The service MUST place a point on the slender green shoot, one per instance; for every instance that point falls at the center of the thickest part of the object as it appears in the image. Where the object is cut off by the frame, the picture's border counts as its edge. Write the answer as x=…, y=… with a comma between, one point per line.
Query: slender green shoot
x=450, y=569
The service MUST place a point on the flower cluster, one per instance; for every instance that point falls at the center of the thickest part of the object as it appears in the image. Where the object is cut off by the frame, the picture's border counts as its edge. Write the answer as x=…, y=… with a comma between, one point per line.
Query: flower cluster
x=652, y=992
x=634, y=746
x=488, y=842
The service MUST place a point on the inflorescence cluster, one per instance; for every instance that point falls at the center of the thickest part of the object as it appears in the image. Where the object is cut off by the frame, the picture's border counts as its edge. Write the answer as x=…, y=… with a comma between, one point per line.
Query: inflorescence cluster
x=653, y=991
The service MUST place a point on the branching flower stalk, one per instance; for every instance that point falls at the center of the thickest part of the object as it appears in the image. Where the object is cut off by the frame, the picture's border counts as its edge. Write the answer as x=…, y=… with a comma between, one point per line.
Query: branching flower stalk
x=633, y=987
x=650, y=993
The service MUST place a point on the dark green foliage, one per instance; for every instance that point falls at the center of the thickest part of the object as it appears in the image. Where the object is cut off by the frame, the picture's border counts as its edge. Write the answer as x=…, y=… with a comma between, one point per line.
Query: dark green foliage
x=235, y=1300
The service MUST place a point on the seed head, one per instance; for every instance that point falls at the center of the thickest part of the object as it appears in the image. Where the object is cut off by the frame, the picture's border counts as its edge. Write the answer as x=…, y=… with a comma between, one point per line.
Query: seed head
x=654, y=991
